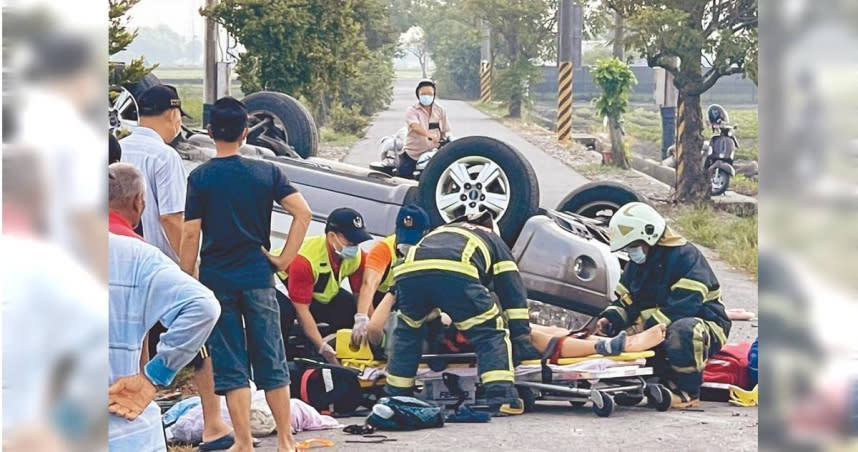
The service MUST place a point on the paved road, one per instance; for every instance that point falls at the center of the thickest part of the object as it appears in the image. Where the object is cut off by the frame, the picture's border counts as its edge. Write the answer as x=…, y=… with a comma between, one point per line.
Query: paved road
x=555, y=425
x=555, y=180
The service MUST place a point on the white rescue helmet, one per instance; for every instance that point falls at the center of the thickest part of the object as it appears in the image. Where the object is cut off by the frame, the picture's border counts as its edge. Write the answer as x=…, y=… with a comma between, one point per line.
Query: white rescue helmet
x=635, y=221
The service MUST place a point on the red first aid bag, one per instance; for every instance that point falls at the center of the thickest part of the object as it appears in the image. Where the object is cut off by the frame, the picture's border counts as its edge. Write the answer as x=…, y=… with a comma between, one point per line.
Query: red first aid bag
x=729, y=366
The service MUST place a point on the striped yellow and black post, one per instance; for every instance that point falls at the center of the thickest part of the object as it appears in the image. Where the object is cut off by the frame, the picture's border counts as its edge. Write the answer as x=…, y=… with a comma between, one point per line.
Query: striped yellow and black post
x=485, y=82
x=564, y=102
x=680, y=129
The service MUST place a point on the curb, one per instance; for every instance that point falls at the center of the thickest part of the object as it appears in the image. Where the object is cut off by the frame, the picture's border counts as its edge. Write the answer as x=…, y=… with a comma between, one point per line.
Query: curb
x=731, y=201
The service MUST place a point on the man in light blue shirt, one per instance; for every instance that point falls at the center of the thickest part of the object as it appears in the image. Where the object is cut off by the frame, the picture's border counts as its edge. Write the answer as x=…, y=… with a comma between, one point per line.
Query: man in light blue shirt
x=146, y=287
x=166, y=179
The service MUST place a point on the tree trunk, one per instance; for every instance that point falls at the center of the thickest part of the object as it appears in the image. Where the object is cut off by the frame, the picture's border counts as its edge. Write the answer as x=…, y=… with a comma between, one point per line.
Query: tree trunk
x=515, y=107
x=691, y=184
x=423, y=64
x=619, y=36
x=618, y=148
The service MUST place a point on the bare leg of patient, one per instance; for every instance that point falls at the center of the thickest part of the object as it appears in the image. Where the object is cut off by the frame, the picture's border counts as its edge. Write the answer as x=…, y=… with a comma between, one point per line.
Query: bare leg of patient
x=575, y=348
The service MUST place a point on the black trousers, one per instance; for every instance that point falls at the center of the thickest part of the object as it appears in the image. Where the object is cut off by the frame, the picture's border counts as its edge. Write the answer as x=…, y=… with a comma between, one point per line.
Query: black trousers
x=405, y=167
x=339, y=313
x=680, y=359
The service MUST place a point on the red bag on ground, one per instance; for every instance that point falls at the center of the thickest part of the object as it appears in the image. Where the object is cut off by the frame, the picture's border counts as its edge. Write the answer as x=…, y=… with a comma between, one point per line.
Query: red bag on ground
x=729, y=366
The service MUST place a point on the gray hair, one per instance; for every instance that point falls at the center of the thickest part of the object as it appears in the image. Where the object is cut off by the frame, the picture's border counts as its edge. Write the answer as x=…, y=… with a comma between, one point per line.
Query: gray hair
x=126, y=182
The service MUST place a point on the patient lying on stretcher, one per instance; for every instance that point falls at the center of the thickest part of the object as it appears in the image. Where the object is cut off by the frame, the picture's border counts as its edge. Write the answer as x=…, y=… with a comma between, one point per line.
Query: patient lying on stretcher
x=552, y=342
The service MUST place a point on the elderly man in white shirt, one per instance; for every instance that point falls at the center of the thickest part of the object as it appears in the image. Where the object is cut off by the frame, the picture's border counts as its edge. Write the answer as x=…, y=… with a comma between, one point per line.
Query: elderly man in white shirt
x=145, y=287
x=166, y=180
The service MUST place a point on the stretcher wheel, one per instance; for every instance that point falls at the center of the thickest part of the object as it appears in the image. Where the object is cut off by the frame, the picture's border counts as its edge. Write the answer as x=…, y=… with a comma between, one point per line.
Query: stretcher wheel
x=658, y=397
x=528, y=396
x=577, y=403
x=603, y=403
x=625, y=399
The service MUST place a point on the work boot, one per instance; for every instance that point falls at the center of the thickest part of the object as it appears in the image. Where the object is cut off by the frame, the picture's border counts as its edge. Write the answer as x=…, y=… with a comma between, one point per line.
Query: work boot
x=503, y=400
x=681, y=400
x=512, y=408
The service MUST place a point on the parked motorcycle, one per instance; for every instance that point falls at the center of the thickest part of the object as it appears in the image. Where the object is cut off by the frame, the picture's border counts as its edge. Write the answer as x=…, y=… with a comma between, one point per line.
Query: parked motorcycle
x=720, y=150
x=393, y=146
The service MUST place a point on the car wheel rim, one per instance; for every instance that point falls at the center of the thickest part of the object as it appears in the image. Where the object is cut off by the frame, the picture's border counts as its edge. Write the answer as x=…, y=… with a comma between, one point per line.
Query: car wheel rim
x=600, y=210
x=472, y=185
x=123, y=104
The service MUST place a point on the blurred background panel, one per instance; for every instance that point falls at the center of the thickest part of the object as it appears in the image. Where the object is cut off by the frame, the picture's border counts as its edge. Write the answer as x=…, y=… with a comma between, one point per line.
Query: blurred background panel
x=808, y=223
x=54, y=296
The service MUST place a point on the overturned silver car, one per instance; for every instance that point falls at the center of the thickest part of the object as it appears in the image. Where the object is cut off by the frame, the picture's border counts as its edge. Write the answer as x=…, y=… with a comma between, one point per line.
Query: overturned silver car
x=562, y=252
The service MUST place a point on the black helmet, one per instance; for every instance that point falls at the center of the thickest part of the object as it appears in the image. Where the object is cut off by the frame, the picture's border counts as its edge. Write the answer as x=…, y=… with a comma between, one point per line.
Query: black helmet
x=717, y=115
x=421, y=84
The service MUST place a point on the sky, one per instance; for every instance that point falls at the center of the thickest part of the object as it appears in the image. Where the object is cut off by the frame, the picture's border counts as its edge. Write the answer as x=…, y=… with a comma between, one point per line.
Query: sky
x=180, y=15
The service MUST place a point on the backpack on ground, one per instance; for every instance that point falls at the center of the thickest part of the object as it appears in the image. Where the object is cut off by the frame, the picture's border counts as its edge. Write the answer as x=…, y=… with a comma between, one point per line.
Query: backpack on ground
x=405, y=413
x=328, y=388
x=729, y=366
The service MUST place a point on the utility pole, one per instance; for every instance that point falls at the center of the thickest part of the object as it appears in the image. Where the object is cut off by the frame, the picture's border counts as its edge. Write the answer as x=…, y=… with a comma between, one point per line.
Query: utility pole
x=485, y=64
x=210, y=60
x=666, y=96
x=565, y=66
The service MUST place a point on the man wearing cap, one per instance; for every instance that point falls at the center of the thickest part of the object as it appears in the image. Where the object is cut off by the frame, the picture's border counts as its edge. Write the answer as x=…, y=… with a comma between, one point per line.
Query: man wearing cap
x=229, y=200
x=314, y=278
x=147, y=148
x=451, y=270
x=412, y=223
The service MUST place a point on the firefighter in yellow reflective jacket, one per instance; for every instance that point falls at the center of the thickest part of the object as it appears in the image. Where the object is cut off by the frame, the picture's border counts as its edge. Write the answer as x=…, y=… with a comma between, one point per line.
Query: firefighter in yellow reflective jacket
x=449, y=270
x=668, y=281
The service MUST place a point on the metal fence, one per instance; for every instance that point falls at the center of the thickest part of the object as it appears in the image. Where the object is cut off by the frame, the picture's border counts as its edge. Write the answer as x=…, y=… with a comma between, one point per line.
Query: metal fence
x=732, y=90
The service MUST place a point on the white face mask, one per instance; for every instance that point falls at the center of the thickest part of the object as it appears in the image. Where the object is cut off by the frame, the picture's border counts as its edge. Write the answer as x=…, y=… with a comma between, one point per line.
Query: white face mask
x=426, y=100
x=637, y=254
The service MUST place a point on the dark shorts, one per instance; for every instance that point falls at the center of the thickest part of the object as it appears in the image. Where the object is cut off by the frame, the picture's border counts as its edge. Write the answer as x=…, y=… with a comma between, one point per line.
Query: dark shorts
x=246, y=343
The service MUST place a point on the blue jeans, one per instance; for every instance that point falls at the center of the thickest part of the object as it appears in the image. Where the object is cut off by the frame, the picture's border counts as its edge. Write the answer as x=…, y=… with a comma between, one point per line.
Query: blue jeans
x=247, y=336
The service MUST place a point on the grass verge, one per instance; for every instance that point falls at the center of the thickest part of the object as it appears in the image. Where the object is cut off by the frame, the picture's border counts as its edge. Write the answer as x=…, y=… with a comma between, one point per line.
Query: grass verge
x=332, y=137
x=745, y=186
x=733, y=237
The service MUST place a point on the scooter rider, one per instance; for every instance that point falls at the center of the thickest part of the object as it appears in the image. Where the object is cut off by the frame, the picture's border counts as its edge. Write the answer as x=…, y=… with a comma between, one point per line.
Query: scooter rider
x=668, y=282
x=427, y=126
x=449, y=270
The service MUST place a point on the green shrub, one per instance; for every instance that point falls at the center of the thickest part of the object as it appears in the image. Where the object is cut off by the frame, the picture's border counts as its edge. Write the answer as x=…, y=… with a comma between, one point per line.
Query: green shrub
x=348, y=120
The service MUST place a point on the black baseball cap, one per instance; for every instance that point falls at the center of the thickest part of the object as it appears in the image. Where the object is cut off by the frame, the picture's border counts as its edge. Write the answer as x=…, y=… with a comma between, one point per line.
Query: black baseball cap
x=158, y=99
x=227, y=113
x=411, y=224
x=349, y=223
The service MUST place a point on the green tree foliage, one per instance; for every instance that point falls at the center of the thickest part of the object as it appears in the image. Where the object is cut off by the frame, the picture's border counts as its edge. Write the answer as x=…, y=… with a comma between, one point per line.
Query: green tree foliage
x=119, y=37
x=308, y=49
x=522, y=31
x=454, y=46
x=616, y=80
x=679, y=35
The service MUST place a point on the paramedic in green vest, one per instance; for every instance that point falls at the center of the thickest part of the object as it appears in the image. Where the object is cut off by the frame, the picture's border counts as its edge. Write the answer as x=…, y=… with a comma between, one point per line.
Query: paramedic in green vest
x=313, y=279
x=412, y=223
x=667, y=282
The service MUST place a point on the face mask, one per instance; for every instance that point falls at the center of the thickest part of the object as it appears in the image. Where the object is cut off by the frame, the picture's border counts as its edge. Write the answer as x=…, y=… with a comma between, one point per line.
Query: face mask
x=426, y=100
x=347, y=252
x=637, y=255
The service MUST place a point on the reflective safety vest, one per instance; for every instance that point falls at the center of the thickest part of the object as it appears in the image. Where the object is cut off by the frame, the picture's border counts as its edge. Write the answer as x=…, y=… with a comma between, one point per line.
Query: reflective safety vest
x=387, y=278
x=326, y=287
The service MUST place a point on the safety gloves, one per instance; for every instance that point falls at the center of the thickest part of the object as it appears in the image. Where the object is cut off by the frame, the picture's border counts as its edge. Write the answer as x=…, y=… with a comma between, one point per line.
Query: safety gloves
x=359, y=329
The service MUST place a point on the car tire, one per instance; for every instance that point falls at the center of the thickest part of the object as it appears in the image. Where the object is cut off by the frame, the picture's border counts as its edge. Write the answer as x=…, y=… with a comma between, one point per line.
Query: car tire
x=599, y=200
x=301, y=130
x=516, y=181
x=137, y=88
